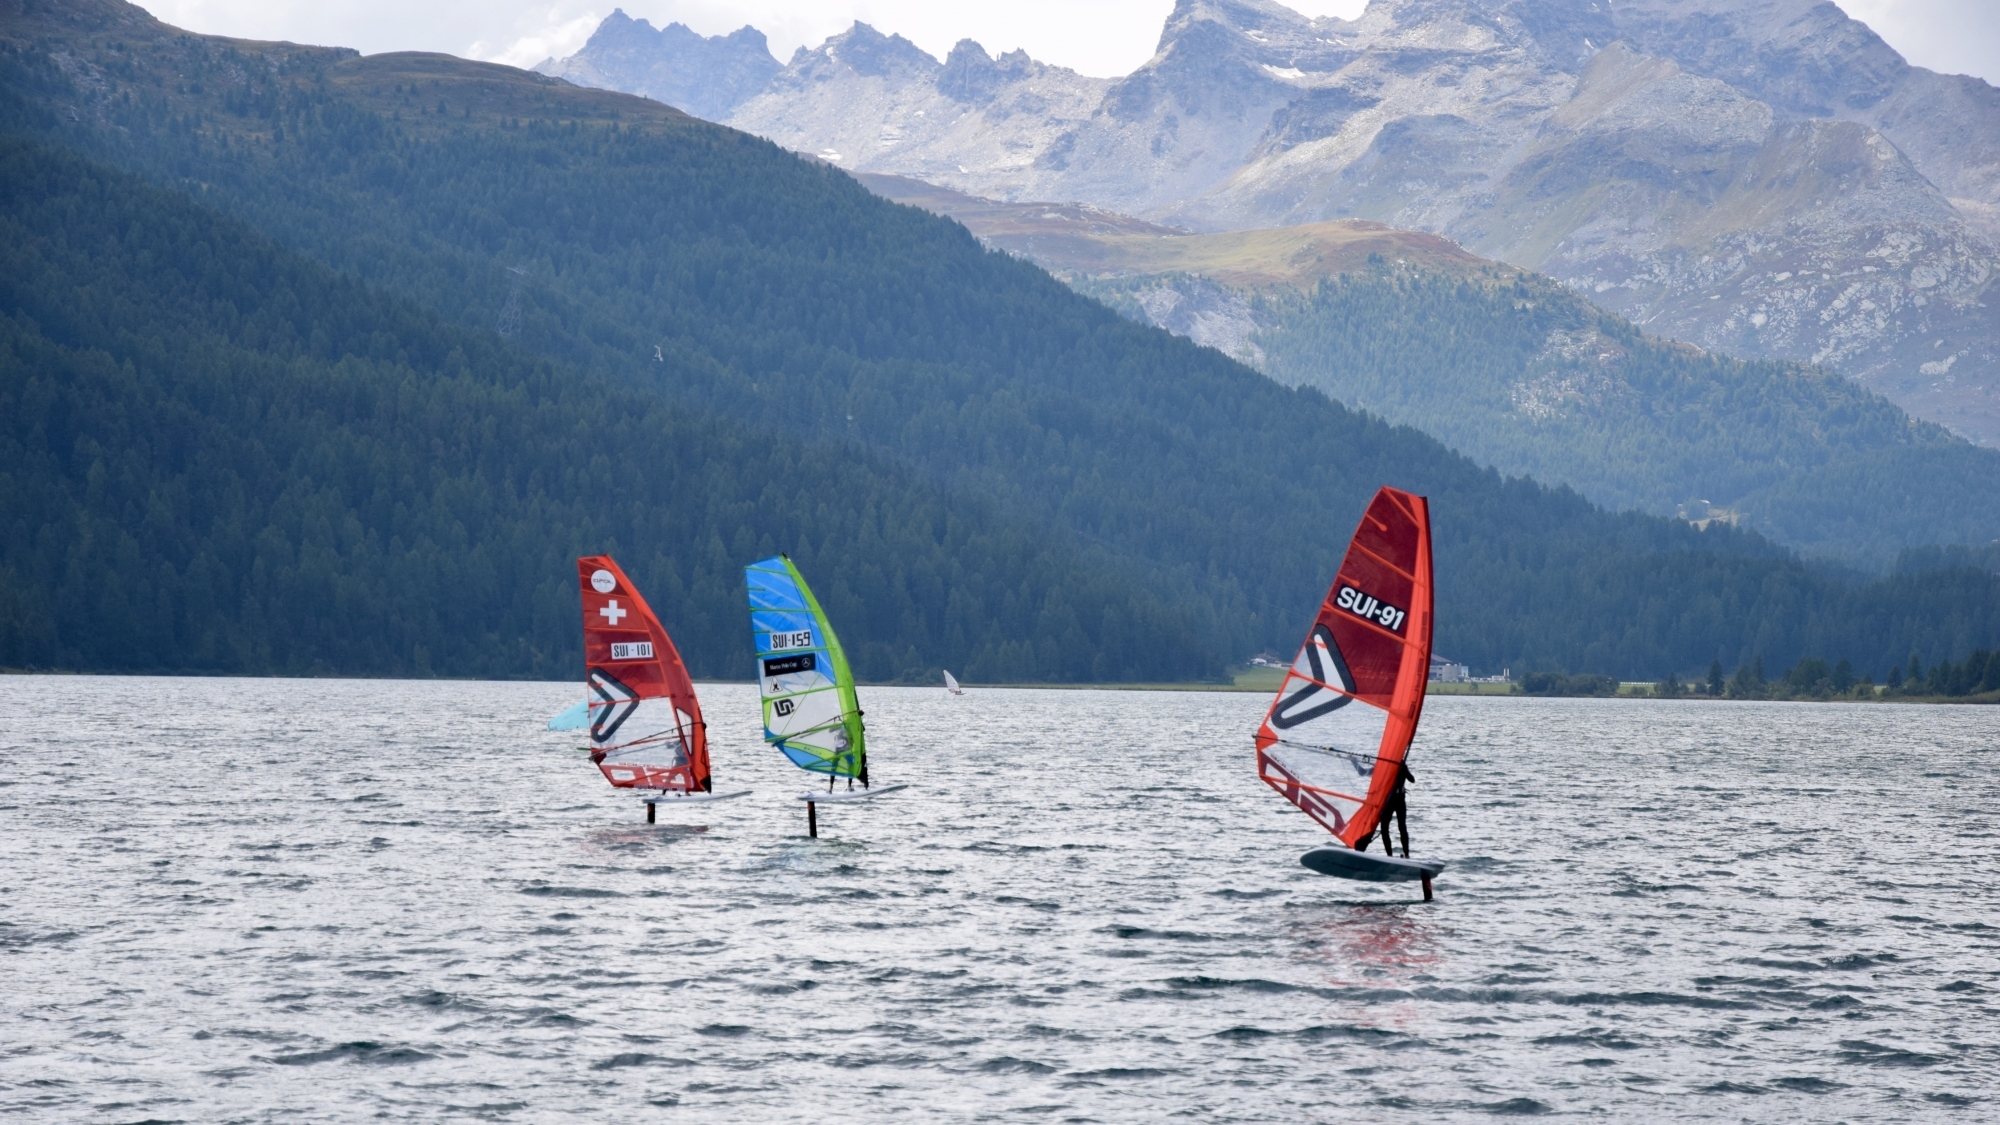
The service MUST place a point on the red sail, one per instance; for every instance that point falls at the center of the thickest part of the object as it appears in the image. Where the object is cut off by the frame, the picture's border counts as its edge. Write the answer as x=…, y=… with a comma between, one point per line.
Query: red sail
x=645, y=724
x=1333, y=741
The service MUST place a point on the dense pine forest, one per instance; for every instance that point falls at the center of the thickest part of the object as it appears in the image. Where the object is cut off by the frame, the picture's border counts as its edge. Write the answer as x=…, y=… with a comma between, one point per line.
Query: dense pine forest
x=354, y=354
x=220, y=456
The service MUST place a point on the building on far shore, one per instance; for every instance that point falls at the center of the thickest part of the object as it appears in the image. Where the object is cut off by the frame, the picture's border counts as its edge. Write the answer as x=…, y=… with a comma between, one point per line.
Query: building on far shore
x=1447, y=671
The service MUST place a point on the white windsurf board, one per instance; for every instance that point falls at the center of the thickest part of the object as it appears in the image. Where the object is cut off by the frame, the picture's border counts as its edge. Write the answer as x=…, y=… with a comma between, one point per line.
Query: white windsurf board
x=675, y=797
x=821, y=797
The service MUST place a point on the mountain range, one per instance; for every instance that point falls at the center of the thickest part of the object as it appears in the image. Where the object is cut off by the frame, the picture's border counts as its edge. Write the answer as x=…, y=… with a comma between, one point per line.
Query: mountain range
x=313, y=362
x=1521, y=372
x=1764, y=178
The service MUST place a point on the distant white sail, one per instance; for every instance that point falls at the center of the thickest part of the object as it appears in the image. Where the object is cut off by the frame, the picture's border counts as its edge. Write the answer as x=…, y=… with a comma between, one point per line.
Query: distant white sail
x=951, y=685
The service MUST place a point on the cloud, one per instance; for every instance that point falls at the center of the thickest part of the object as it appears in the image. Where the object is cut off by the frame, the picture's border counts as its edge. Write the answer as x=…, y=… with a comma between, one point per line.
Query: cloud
x=560, y=38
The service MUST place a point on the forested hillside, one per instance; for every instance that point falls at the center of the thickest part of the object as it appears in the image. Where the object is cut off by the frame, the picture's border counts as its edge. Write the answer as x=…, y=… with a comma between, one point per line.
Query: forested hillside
x=801, y=358
x=217, y=456
x=1523, y=374
x=1921, y=559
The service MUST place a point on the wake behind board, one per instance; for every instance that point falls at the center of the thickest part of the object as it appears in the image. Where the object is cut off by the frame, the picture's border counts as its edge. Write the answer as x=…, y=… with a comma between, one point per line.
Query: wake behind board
x=1367, y=867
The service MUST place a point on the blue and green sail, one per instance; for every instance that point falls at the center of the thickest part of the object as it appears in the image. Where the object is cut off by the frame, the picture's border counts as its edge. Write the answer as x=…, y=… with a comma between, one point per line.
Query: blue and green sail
x=810, y=709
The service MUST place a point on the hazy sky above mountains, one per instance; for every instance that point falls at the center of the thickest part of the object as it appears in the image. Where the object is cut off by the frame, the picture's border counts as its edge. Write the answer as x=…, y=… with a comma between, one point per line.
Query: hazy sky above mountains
x=1099, y=37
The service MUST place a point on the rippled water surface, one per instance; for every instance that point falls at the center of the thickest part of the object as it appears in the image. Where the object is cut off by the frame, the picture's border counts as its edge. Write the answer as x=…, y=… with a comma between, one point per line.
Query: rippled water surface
x=232, y=900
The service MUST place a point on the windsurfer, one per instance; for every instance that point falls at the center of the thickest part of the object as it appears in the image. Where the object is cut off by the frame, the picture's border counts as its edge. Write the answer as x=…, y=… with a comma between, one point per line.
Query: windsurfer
x=1399, y=808
x=842, y=747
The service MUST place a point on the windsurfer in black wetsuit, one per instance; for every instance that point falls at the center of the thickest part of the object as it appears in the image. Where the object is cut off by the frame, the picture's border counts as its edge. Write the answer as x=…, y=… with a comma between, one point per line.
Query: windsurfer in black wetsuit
x=1397, y=807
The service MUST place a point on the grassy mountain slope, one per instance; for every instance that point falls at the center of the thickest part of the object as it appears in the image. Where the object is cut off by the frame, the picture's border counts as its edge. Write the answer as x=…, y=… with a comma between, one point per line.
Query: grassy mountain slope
x=690, y=264
x=1520, y=372
x=1072, y=238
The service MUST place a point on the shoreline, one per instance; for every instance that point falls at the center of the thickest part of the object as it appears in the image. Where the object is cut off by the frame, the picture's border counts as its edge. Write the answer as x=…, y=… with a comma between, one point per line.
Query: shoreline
x=1252, y=684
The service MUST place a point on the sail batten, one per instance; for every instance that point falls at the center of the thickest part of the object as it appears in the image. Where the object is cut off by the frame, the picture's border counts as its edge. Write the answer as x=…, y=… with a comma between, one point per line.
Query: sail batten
x=1334, y=738
x=645, y=724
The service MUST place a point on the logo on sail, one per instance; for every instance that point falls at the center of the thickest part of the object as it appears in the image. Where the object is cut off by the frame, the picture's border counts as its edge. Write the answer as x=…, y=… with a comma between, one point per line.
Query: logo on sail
x=1296, y=792
x=788, y=665
x=1328, y=669
x=614, y=703
x=1370, y=608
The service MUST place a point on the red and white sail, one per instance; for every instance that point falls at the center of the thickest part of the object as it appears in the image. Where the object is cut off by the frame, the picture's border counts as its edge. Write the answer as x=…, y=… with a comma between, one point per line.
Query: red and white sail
x=1334, y=739
x=645, y=724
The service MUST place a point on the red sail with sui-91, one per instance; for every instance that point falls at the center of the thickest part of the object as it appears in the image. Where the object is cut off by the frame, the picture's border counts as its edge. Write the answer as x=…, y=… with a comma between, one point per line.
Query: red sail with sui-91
x=1334, y=740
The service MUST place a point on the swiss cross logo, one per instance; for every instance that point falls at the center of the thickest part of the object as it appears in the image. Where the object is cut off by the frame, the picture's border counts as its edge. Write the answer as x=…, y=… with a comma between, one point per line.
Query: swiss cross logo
x=612, y=613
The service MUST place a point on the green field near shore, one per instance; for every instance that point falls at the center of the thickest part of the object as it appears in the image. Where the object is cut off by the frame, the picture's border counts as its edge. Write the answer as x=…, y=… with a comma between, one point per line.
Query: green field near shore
x=1472, y=689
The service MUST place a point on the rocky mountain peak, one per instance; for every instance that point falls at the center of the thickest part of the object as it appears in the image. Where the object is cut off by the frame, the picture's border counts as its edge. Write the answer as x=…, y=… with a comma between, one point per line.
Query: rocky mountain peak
x=971, y=75
x=1806, y=58
x=1256, y=31
x=706, y=76
x=864, y=51
x=1763, y=177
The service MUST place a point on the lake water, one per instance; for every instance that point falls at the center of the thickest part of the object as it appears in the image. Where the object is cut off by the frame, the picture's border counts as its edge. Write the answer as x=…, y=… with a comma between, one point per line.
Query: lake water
x=238, y=900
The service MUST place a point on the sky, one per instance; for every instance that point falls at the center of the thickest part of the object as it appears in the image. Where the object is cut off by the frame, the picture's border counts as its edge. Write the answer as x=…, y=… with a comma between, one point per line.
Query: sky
x=1105, y=38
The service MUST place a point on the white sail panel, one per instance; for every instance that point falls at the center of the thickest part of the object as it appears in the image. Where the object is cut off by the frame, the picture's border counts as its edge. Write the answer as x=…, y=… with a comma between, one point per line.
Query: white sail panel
x=1326, y=785
x=648, y=727
x=1316, y=708
x=791, y=715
